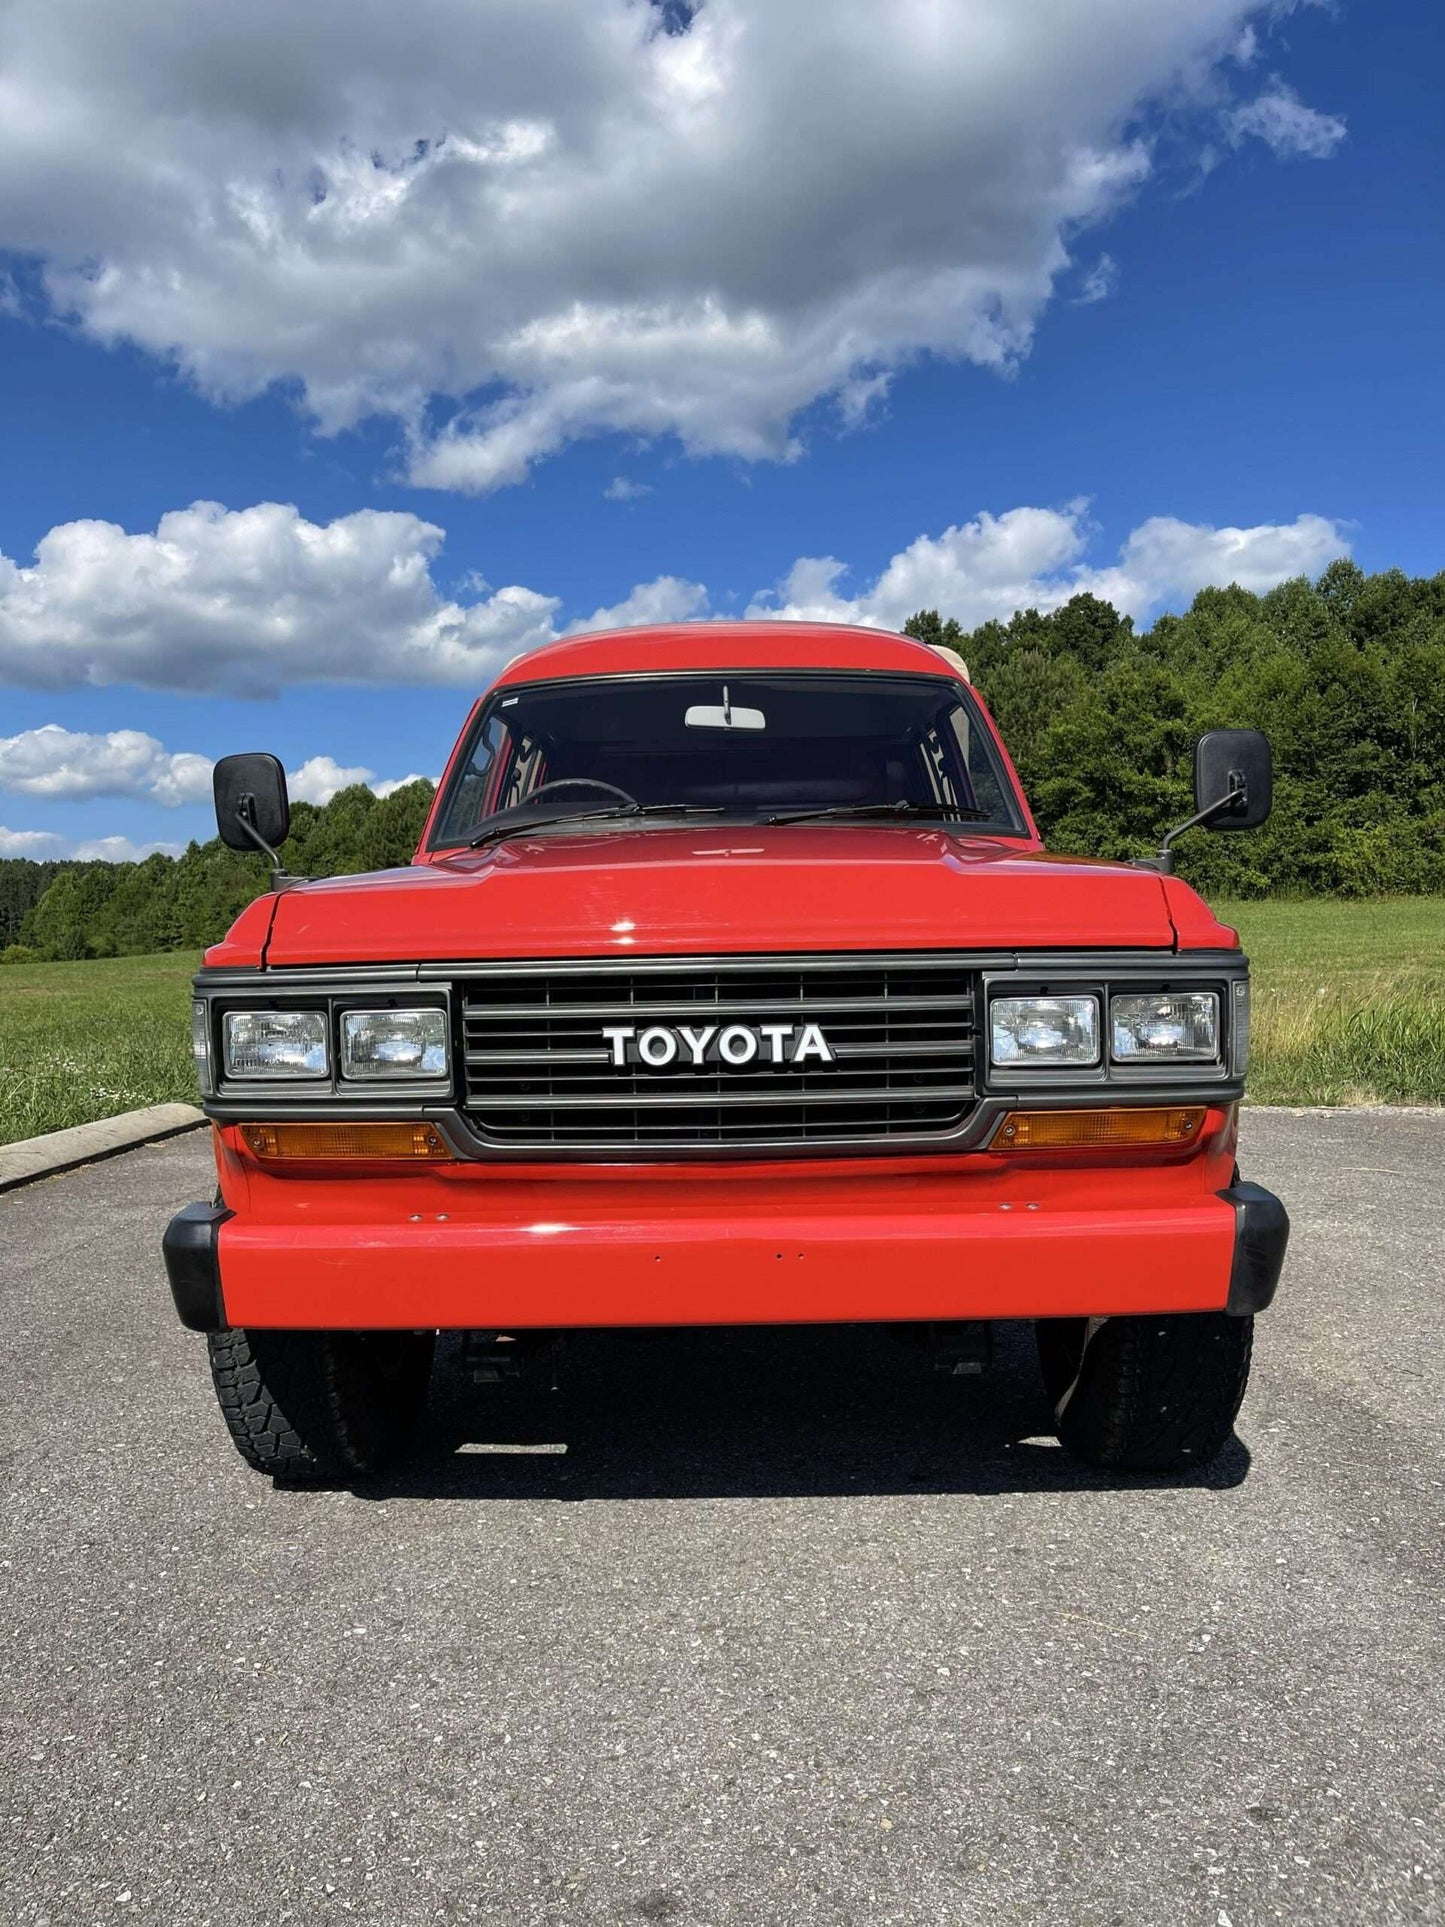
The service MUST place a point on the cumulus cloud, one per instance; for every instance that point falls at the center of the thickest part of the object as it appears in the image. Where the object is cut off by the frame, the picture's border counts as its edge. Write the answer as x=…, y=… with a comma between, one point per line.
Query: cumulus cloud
x=1289, y=128
x=69, y=765
x=246, y=601
x=395, y=783
x=566, y=216
x=671, y=598
x=49, y=846
x=1035, y=558
x=253, y=600
x=623, y=489
x=320, y=777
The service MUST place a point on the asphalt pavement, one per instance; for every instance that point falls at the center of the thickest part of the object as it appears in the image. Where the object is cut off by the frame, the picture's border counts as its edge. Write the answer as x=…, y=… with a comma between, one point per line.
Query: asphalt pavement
x=741, y=1627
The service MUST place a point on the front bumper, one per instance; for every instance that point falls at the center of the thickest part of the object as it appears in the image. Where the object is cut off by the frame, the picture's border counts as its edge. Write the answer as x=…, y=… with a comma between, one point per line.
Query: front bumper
x=626, y=1249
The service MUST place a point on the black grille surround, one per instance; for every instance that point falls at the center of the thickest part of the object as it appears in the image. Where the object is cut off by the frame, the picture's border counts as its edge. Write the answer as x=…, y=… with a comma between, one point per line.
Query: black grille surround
x=537, y=1074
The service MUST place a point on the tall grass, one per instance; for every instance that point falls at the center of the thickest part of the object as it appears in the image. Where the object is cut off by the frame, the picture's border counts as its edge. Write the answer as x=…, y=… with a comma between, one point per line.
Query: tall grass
x=1384, y=1046
x=79, y=1041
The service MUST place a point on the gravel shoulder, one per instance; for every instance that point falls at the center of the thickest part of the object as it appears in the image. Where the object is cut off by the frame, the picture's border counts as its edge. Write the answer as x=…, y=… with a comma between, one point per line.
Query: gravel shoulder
x=736, y=1627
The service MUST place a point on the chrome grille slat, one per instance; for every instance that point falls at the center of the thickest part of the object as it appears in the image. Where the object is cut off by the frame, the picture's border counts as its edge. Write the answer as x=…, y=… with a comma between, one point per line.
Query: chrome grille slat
x=732, y=1007
x=519, y=1059
x=634, y=1099
x=538, y=1074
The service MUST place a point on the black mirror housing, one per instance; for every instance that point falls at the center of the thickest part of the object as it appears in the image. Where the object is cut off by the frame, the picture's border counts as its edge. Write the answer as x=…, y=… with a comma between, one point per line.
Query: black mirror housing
x=1237, y=763
x=251, y=790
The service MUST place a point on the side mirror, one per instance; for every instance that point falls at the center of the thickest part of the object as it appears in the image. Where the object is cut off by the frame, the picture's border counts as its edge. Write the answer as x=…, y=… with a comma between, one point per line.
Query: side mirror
x=1233, y=779
x=1233, y=790
x=252, y=808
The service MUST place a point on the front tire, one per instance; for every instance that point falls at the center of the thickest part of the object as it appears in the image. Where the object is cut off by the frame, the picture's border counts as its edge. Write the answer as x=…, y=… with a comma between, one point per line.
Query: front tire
x=1146, y=1394
x=315, y=1405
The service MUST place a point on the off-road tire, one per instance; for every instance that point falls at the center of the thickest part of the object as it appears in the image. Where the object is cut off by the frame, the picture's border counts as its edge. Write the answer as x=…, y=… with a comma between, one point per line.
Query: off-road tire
x=1145, y=1394
x=320, y=1406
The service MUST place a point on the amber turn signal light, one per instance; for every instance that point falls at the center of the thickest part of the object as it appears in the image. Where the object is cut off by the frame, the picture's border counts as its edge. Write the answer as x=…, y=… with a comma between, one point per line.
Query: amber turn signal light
x=342, y=1141
x=1097, y=1130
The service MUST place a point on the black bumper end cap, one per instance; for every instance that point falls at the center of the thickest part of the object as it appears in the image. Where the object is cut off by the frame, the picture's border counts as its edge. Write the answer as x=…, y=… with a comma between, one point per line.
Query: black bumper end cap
x=1261, y=1235
x=193, y=1265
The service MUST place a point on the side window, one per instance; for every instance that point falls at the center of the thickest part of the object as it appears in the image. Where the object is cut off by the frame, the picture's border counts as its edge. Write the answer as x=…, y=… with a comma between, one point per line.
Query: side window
x=988, y=792
x=940, y=770
x=503, y=769
x=472, y=799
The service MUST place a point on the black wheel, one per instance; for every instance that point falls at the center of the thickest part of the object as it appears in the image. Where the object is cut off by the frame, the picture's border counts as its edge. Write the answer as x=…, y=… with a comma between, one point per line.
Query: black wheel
x=320, y=1405
x=1145, y=1394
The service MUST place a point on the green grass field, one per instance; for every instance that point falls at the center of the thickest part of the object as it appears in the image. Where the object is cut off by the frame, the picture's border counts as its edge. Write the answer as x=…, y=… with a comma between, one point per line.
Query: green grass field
x=1349, y=1008
x=86, y=1040
x=1349, y=1000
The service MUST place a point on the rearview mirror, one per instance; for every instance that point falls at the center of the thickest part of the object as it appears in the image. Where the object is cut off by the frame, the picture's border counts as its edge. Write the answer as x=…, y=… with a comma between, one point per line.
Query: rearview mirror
x=723, y=715
x=252, y=809
x=1233, y=768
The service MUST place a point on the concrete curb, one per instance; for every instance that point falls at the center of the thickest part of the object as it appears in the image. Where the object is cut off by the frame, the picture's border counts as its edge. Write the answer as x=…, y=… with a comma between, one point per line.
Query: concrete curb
x=42, y=1157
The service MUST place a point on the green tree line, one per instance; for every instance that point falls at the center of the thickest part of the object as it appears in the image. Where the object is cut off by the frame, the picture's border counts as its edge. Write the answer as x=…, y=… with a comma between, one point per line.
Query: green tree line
x=72, y=910
x=1345, y=674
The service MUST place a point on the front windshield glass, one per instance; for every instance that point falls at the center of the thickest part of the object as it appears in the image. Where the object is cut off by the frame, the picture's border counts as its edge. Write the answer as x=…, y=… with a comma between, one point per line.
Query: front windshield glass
x=750, y=747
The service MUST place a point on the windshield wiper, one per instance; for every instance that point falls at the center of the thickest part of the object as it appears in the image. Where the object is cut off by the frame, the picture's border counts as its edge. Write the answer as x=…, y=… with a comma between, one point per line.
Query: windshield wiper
x=509, y=822
x=950, y=812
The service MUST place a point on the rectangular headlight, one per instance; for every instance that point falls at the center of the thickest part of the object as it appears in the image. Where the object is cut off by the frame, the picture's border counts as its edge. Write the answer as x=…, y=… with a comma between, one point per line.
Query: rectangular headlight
x=1036, y=1032
x=275, y=1043
x=393, y=1043
x=1165, y=1027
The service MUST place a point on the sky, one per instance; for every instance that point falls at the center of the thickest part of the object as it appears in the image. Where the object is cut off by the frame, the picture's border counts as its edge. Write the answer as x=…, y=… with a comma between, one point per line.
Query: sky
x=348, y=352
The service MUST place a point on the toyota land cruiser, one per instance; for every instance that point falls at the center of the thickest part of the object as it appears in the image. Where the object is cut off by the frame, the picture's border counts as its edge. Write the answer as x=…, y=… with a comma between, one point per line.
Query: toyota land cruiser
x=730, y=984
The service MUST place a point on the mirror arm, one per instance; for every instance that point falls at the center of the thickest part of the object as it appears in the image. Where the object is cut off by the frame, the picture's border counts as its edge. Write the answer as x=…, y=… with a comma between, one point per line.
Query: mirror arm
x=280, y=877
x=1163, y=861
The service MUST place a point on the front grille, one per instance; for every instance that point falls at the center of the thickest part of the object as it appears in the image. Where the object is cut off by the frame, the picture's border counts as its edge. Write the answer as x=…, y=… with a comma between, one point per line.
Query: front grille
x=540, y=1075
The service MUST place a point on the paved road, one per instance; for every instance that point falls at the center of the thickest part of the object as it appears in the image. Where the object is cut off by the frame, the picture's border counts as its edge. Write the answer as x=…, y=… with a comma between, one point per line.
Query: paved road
x=790, y=1632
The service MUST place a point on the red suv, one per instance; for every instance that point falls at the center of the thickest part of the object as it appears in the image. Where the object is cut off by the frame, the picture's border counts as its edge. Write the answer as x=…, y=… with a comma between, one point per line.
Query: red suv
x=730, y=984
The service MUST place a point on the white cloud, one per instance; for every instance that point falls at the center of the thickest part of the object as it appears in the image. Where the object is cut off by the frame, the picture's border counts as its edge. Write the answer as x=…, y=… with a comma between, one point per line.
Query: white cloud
x=1034, y=558
x=65, y=764
x=253, y=600
x=246, y=601
x=320, y=777
x=38, y=844
x=669, y=599
x=44, y=846
x=1288, y=128
x=622, y=489
x=56, y=762
x=1168, y=561
x=395, y=783
x=567, y=220
x=1099, y=283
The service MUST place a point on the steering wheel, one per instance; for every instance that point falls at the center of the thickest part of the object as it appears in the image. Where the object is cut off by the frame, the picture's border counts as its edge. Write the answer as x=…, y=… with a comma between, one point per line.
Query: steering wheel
x=577, y=783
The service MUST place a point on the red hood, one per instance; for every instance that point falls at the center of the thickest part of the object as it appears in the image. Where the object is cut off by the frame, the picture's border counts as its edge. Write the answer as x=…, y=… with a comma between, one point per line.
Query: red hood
x=709, y=891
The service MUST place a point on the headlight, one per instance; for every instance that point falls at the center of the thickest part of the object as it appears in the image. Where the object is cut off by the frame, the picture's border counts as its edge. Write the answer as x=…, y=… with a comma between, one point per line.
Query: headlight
x=1039, y=1031
x=393, y=1043
x=275, y=1043
x=1175, y=1027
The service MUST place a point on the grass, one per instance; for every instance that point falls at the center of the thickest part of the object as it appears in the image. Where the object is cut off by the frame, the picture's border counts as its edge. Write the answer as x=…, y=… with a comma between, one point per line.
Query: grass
x=1349, y=1000
x=1349, y=1008
x=85, y=1040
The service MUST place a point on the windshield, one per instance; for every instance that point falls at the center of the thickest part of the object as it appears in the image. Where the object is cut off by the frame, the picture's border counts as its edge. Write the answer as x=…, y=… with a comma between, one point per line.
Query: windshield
x=745, y=746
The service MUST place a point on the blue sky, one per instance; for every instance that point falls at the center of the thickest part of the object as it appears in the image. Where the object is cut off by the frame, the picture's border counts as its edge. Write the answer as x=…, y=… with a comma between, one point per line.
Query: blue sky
x=1262, y=354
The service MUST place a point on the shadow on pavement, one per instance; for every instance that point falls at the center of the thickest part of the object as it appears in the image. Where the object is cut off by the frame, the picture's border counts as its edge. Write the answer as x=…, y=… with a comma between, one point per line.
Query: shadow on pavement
x=783, y=1412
